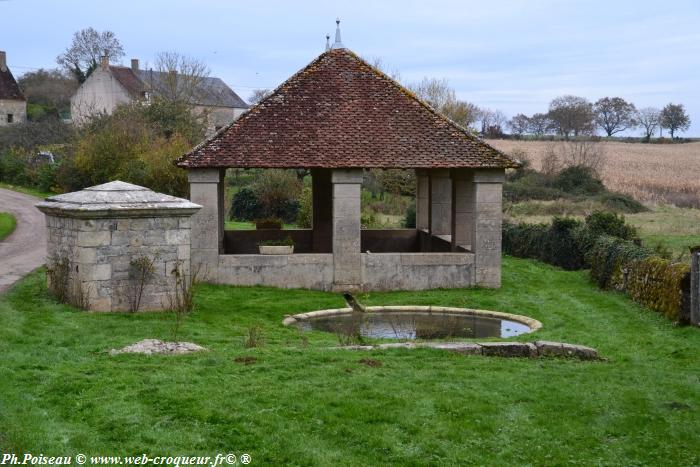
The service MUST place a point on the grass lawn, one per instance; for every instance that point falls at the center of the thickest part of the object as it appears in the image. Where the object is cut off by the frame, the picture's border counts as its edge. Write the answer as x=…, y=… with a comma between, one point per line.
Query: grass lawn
x=236, y=225
x=299, y=403
x=26, y=191
x=7, y=225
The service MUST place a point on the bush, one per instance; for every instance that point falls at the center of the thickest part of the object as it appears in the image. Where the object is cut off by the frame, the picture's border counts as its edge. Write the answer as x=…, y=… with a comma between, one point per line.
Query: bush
x=608, y=258
x=245, y=206
x=305, y=214
x=661, y=285
x=410, y=220
x=608, y=223
x=621, y=203
x=560, y=247
x=578, y=180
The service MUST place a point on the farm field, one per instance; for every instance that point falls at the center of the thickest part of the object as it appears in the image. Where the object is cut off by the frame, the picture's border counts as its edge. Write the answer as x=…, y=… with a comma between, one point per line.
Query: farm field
x=648, y=172
x=290, y=400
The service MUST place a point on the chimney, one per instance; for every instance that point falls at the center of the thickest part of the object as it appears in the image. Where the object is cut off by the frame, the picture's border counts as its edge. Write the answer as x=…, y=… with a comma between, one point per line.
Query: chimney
x=3, y=61
x=105, y=62
x=134, y=65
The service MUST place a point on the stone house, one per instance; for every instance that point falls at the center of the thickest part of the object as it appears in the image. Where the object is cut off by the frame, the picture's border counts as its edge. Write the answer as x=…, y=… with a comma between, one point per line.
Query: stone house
x=109, y=86
x=13, y=104
x=338, y=116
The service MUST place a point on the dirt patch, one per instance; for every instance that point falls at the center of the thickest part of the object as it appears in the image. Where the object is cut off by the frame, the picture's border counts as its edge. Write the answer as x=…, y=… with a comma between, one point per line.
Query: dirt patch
x=370, y=362
x=155, y=346
x=247, y=360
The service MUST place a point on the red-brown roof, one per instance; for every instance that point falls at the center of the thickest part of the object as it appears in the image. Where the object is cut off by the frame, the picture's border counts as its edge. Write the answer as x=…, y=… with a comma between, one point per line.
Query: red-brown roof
x=127, y=78
x=340, y=112
x=8, y=86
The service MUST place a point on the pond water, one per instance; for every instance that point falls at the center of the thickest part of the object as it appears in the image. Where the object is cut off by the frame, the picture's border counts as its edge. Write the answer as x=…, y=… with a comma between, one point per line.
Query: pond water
x=414, y=325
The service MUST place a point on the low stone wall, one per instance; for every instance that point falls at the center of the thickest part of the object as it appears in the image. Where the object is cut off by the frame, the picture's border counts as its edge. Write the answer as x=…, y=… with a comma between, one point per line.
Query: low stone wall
x=381, y=271
x=417, y=271
x=306, y=271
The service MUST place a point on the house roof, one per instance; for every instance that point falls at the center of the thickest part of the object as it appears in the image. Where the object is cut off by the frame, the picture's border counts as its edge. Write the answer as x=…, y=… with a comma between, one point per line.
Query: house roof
x=128, y=79
x=9, y=89
x=211, y=92
x=340, y=112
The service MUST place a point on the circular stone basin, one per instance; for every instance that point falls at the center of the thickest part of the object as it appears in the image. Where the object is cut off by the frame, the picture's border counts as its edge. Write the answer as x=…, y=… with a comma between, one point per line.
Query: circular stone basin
x=415, y=322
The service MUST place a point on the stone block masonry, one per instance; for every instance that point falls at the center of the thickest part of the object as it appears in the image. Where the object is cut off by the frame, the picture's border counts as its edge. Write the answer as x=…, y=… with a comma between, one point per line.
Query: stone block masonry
x=102, y=240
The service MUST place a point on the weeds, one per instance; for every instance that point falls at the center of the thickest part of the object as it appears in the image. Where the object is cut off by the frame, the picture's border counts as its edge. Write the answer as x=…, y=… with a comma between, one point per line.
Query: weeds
x=141, y=271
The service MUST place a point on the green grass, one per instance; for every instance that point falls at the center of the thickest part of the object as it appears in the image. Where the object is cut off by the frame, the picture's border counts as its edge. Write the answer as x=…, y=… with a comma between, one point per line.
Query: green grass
x=299, y=403
x=236, y=225
x=27, y=191
x=7, y=225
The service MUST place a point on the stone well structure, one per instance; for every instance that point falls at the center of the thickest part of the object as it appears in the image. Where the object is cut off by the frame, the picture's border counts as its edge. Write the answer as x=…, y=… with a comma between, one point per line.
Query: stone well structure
x=104, y=239
x=337, y=117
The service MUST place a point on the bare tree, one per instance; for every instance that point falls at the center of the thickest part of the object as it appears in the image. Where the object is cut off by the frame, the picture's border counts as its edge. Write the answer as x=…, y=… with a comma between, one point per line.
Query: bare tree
x=180, y=78
x=614, y=115
x=86, y=51
x=572, y=115
x=492, y=122
x=440, y=96
x=648, y=118
x=540, y=124
x=519, y=125
x=378, y=63
x=674, y=118
x=258, y=95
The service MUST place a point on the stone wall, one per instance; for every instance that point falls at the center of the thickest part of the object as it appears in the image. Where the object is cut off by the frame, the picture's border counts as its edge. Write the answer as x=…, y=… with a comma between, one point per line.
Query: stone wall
x=417, y=271
x=307, y=271
x=98, y=254
x=16, y=108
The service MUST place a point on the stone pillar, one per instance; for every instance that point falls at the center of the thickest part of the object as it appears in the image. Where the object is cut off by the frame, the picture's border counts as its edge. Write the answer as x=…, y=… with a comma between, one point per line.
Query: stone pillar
x=462, y=207
x=440, y=202
x=347, y=257
x=695, y=287
x=322, y=192
x=207, y=190
x=422, y=199
x=486, y=225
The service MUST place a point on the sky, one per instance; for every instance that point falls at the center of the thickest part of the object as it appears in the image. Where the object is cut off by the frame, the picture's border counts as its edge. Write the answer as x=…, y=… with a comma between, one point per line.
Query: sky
x=513, y=56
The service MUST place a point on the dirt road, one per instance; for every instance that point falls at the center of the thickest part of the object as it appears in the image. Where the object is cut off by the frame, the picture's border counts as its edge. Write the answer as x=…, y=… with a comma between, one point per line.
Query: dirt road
x=25, y=249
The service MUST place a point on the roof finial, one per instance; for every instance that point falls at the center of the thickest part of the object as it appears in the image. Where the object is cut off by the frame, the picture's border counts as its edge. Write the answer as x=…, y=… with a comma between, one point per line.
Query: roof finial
x=338, y=43
x=328, y=43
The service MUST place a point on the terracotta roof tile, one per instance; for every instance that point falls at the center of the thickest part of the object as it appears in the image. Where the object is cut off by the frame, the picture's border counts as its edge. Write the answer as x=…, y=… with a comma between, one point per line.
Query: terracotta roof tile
x=340, y=112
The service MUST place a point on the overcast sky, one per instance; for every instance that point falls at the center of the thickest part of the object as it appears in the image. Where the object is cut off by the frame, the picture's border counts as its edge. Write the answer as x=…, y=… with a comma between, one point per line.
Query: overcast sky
x=514, y=56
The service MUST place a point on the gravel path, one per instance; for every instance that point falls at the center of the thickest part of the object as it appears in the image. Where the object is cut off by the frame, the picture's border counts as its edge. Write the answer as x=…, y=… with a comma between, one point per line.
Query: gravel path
x=25, y=249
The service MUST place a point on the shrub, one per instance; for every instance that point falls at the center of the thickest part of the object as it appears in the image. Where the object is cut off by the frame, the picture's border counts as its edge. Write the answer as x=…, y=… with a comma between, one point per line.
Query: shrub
x=560, y=247
x=609, y=256
x=245, y=205
x=524, y=240
x=608, y=223
x=578, y=180
x=410, y=220
x=619, y=202
x=661, y=285
x=277, y=192
x=305, y=214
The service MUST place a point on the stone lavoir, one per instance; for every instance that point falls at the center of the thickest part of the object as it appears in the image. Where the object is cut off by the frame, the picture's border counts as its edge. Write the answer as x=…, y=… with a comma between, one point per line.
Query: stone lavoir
x=117, y=247
x=337, y=117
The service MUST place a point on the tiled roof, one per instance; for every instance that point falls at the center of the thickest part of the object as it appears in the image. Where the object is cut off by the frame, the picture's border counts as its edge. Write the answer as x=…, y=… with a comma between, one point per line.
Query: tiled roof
x=128, y=79
x=340, y=112
x=8, y=86
x=212, y=91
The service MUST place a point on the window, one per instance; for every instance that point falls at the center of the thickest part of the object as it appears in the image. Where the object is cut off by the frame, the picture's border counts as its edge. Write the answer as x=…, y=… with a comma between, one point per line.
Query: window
x=10, y=118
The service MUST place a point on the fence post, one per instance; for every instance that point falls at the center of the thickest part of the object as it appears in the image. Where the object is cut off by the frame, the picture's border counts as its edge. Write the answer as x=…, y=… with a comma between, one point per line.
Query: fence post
x=695, y=288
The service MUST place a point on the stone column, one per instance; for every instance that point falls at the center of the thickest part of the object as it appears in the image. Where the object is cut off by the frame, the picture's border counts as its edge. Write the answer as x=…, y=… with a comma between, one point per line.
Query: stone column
x=422, y=199
x=207, y=190
x=440, y=202
x=322, y=192
x=347, y=257
x=486, y=225
x=695, y=287
x=462, y=207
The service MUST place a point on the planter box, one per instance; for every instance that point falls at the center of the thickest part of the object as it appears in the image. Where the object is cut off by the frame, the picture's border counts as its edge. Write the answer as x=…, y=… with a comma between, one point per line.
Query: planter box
x=276, y=250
